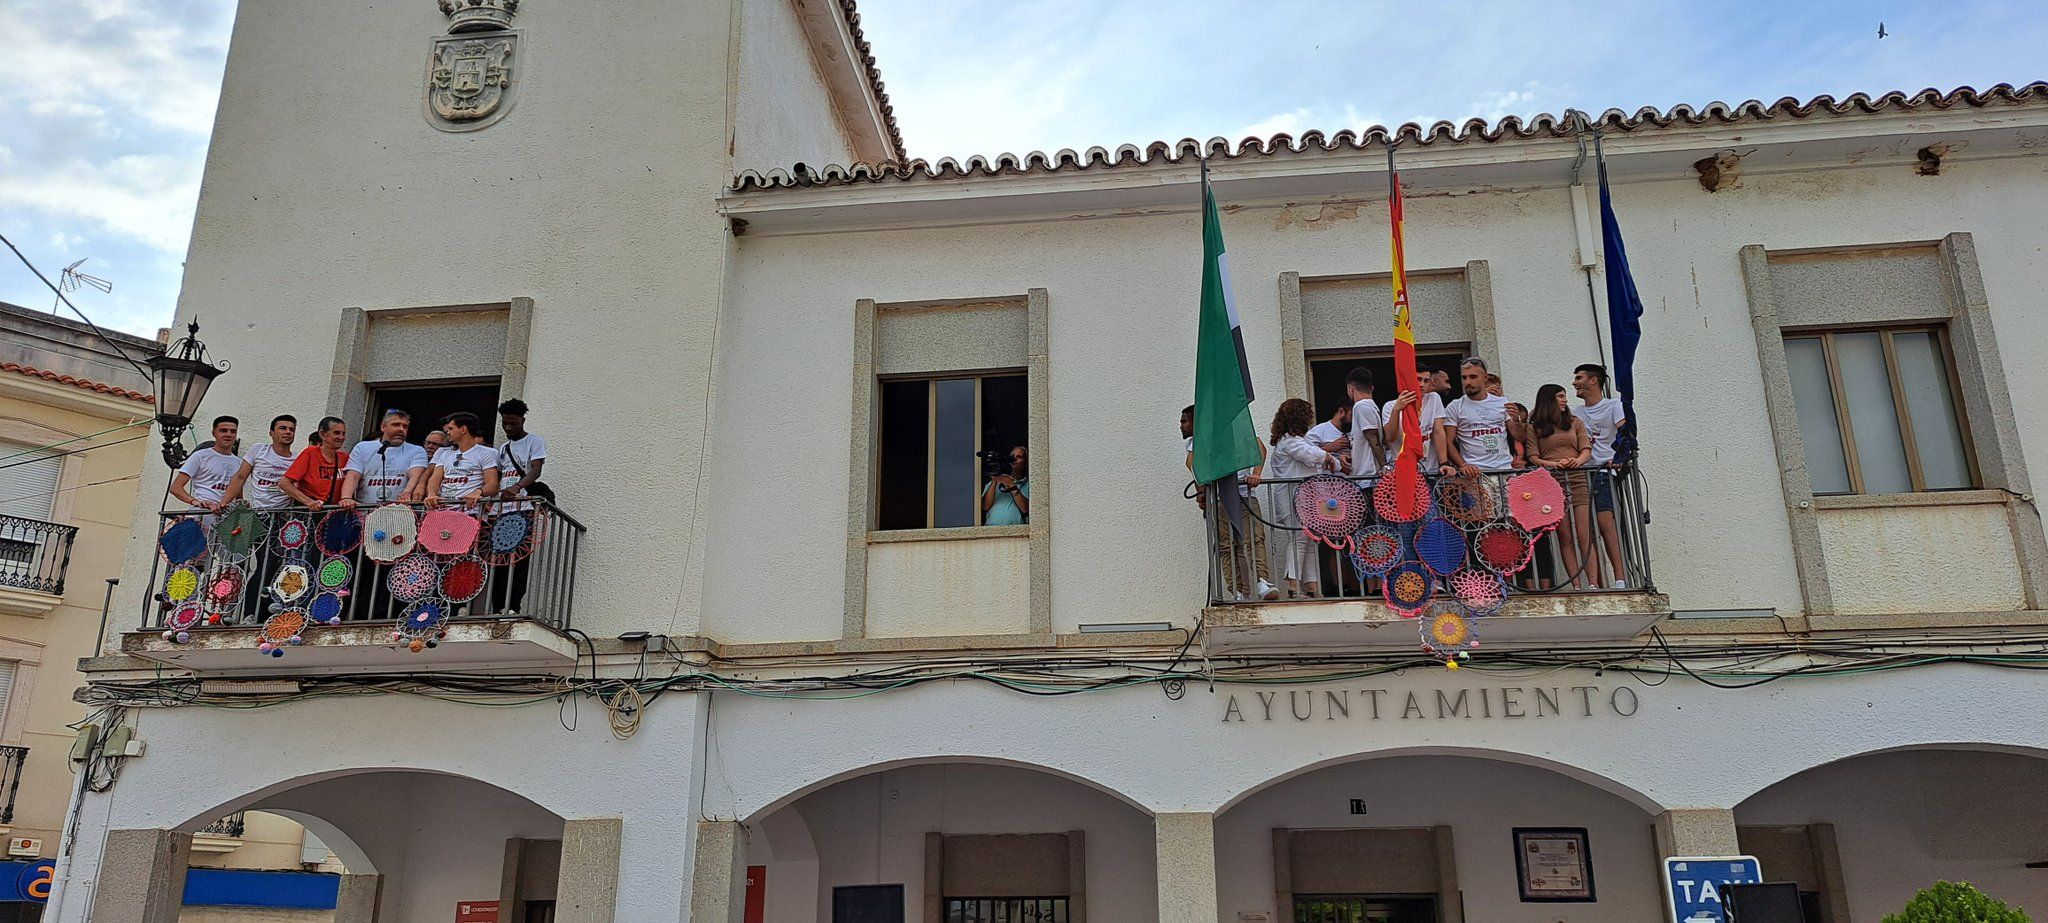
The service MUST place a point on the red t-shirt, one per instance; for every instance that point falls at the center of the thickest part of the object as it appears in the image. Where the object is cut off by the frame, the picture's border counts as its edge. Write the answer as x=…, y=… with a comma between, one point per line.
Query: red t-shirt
x=317, y=477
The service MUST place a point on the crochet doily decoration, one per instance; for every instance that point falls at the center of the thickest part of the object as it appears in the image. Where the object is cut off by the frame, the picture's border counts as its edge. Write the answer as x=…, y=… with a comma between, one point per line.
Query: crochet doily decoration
x=512, y=536
x=1536, y=500
x=1375, y=550
x=239, y=530
x=448, y=532
x=339, y=532
x=179, y=623
x=1448, y=635
x=463, y=579
x=183, y=542
x=1479, y=591
x=413, y=578
x=422, y=625
x=389, y=532
x=1409, y=587
x=1329, y=508
x=220, y=590
x=334, y=573
x=1503, y=548
x=181, y=583
x=292, y=582
x=326, y=608
x=282, y=630
x=292, y=534
x=1470, y=503
x=1440, y=545
x=1386, y=498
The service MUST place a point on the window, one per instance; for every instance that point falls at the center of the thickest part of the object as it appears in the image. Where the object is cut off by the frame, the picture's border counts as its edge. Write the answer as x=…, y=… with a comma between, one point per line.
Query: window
x=1006, y=910
x=28, y=482
x=1365, y=908
x=932, y=428
x=1878, y=411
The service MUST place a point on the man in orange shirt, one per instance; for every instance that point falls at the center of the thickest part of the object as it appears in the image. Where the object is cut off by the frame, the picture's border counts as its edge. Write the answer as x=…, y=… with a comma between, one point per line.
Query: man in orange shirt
x=314, y=479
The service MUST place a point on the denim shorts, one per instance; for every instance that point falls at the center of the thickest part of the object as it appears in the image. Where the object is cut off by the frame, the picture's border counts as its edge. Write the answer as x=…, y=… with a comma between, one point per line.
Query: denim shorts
x=1603, y=490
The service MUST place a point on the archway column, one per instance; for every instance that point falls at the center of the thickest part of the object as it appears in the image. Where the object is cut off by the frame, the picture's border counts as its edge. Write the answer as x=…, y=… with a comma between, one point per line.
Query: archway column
x=1186, y=844
x=356, y=899
x=588, y=888
x=142, y=877
x=718, y=885
x=1697, y=832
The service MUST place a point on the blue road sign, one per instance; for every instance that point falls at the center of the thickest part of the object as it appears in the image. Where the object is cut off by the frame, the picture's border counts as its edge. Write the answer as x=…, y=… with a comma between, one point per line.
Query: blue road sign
x=1693, y=885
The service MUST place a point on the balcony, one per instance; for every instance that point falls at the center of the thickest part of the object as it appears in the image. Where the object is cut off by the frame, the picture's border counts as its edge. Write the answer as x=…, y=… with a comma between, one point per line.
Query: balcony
x=221, y=836
x=33, y=557
x=11, y=761
x=250, y=591
x=1499, y=545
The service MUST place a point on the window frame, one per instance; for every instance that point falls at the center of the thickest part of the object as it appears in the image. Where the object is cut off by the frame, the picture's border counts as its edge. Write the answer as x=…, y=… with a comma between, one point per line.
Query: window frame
x=1901, y=410
x=1062, y=905
x=931, y=437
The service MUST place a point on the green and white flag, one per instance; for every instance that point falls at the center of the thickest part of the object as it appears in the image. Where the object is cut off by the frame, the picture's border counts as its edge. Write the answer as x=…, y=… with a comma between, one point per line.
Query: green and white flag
x=1225, y=439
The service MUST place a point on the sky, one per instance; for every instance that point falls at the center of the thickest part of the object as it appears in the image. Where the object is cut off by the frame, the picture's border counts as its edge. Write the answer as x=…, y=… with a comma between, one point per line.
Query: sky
x=106, y=106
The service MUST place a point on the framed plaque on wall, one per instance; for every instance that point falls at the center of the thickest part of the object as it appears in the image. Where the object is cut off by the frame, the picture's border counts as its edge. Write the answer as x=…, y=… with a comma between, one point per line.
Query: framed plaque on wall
x=1553, y=864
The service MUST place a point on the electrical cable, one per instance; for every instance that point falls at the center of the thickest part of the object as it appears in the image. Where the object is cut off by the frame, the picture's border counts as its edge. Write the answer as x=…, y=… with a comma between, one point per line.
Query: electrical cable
x=71, y=452
x=45, y=448
x=74, y=308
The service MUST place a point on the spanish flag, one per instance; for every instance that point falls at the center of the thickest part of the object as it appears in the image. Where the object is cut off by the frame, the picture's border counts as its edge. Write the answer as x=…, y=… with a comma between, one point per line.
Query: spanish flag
x=1407, y=468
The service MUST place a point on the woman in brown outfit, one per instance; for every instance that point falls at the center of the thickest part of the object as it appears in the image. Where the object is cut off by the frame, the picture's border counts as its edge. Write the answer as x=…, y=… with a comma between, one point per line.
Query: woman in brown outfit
x=1562, y=445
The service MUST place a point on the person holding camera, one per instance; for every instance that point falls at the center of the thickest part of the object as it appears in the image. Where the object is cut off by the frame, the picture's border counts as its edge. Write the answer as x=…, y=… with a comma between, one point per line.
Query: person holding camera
x=1006, y=501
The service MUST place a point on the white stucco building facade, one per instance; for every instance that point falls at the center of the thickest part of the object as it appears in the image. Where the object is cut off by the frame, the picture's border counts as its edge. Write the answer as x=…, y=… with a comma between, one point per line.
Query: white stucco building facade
x=781, y=678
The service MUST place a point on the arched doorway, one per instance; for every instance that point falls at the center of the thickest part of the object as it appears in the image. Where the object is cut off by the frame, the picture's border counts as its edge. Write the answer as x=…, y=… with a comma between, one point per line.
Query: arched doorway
x=1862, y=834
x=953, y=842
x=1435, y=836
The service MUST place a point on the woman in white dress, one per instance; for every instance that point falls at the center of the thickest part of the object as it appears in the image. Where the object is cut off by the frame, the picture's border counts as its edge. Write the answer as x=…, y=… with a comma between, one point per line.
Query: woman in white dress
x=1295, y=456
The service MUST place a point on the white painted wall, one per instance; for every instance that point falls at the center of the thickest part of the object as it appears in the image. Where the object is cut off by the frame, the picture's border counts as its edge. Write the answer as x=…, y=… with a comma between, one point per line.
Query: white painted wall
x=1482, y=801
x=969, y=587
x=1960, y=558
x=1122, y=294
x=1906, y=820
x=784, y=115
x=870, y=830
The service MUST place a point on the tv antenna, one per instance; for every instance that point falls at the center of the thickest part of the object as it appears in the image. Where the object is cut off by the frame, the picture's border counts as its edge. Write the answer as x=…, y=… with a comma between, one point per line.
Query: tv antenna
x=71, y=280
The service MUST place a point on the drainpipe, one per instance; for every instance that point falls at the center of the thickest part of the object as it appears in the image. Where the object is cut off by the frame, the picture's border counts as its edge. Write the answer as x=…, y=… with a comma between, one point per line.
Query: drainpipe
x=99, y=641
x=1582, y=224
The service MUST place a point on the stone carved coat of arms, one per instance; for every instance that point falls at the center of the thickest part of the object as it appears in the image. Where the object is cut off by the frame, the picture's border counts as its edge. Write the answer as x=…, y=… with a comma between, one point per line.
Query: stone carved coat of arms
x=469, y=79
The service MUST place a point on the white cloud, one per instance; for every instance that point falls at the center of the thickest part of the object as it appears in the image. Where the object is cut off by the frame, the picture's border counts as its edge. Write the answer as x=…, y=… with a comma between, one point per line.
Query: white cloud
x=146, y=197
x=1297, y=121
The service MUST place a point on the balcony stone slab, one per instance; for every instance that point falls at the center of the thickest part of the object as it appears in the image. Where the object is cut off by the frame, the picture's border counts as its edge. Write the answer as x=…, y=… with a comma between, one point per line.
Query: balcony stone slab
x=481, y=645
x=1350, y=623
x=31, y=603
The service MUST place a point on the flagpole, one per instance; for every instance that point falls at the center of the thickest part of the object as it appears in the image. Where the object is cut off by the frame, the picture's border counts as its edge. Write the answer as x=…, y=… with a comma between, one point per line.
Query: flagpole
x=1407, y=466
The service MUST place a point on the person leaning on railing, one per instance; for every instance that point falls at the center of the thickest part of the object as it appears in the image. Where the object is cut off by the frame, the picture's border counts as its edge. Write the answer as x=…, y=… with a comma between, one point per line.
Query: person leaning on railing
x=386, y=469
x=466, y=472
x=202, y=481
x=1295, y=456
x=314, y=479
x=1559, y=443
x=1241, y=553
x=260, y=483
x=1474, y=429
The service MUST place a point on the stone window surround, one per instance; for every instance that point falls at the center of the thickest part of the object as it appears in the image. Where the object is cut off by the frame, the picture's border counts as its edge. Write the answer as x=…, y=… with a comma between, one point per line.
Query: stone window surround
x=1295, y=358
x=348, y=391
x=1992, y=432
x=32, y=603
x=861, y=485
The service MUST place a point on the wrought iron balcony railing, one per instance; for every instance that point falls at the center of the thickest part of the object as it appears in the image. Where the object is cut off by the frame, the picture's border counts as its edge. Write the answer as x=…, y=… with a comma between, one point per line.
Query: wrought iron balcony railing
x=232, y=826
x=11, y=761
x=292, y=570
x=1476, y=541
x=34, y=554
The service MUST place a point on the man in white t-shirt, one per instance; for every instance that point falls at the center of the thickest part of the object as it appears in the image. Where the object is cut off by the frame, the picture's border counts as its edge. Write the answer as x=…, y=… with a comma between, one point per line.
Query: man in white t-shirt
x=202, y=481
x=466, y=472
x=1432, y=411
x=386, y=469
x=264, y=466
x=1365, y=423
x=1603, y=418
x=1475, y=426
x=1334, y=434
x=521, y=456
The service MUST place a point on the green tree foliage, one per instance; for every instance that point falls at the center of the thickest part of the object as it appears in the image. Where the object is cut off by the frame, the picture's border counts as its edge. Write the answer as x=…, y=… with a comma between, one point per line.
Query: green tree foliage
x=1956, y=902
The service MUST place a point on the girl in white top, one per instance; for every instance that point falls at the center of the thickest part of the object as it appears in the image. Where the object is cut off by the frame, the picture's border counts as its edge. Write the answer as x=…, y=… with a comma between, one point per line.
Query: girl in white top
x=1295, y=456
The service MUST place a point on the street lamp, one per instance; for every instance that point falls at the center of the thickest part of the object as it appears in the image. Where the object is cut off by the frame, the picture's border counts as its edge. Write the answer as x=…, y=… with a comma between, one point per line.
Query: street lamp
x=181, y=382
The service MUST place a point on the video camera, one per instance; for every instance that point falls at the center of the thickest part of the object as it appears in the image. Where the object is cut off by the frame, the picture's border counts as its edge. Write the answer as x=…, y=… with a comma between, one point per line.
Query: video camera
x=993, y=463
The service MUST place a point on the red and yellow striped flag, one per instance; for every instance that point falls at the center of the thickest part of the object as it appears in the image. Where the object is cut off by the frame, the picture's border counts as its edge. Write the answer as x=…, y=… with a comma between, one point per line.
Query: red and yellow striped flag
x=1407, y=468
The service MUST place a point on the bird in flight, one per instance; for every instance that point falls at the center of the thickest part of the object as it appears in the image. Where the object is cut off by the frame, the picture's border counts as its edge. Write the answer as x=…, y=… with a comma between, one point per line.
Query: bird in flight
x=1880, y=30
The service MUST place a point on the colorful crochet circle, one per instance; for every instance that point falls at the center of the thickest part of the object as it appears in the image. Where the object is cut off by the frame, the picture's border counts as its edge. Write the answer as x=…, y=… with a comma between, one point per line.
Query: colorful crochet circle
x=1329, y=508
x=182, y=583
x=1440, y=545
x=1482, y=592
x=292, y=582
x=512, y=536
x=284, y=626
x=221, y=590
x=292, y=534
x=1375, y=550
x=1409, y=587
x=462, y=579
x=391, y=530
x=1448, y=633
x=1386, y=499
x=1468, y=502
x=334, y=572
x=325, y=608
x=413, y=578
x=240, y=529
x=339, y=532
x=448, y=531
x=1503, y=548
x=423, y=619
x=183, y=542
x=182, y=617
x=1536, y=500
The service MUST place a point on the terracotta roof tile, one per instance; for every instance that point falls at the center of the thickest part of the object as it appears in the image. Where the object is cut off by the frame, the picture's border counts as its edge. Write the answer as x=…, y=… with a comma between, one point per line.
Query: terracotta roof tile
x=1315, y=142
x=87, y=384
x=873, y=74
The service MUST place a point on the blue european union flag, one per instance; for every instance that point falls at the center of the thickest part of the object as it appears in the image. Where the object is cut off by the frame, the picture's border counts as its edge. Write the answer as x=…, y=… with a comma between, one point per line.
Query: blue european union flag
x=1624, y=320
